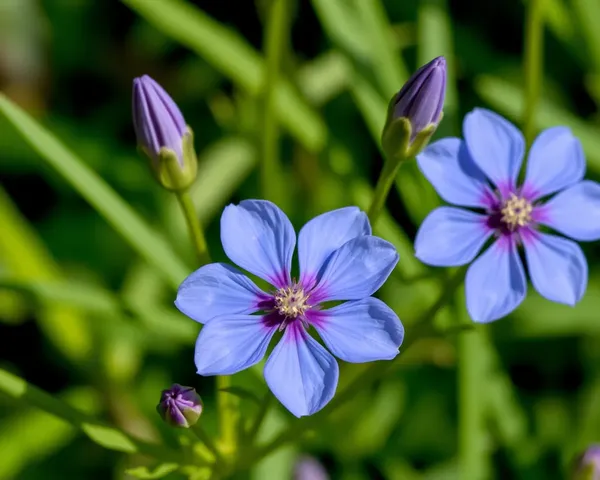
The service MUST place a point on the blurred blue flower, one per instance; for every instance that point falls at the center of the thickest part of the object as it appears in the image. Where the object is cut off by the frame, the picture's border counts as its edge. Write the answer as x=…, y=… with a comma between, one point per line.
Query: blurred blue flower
x=481, y=172
x=180, y=406
x=339, y=259
x=309, y=468
x=587, y=466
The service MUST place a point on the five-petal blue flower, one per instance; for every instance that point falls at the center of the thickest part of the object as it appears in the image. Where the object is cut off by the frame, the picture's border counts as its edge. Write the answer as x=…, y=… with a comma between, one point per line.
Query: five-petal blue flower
x=339, y=259
x=481, y=172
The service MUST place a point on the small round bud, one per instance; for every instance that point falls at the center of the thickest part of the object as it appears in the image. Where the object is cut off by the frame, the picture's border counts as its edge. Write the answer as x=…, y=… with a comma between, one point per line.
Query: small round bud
x=415, y=111
x=309, y=468
x=587, y=466
x=180, y=406
x=163, y=135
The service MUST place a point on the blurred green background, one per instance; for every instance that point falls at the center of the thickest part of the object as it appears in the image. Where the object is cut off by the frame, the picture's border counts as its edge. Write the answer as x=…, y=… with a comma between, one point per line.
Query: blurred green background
x=88, y=319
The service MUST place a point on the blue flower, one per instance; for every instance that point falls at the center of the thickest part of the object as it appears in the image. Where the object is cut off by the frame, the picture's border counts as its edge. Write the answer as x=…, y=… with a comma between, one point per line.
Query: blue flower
x=481, y=172
x=339, y=259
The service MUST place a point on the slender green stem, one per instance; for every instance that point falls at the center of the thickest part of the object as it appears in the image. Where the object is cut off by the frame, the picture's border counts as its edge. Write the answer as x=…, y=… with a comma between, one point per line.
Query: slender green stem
x=275, y=41
x=194, y=227
x=470, y=406
x=534, y=44
x=101, y=433
x=227, y=403
x=422, y=327
x=382, y=189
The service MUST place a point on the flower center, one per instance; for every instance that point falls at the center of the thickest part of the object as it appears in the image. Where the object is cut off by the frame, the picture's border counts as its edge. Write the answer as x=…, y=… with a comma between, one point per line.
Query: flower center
x=516, y=212
x=291, y=302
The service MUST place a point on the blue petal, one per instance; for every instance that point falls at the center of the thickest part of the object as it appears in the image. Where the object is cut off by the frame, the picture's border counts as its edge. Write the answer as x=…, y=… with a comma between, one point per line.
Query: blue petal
x=356, y=270
x=556, y=161
x=360, y=331
x=557, y=267
x=301, y=373
x=257, y=236
x=496, y=146
x=324, y=234
x=575, y=211
x=217, y=289
x=495, y=284
x=450, y=237
x=450, y=169
x=230, y=344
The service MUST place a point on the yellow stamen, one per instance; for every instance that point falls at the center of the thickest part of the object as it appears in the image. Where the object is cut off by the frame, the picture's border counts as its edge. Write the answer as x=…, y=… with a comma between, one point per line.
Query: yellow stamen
x=516, y=212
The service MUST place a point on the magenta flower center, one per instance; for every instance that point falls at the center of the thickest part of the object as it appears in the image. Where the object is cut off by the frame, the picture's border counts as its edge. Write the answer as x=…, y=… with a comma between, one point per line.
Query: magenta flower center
x=291, y=302
x=516, y=212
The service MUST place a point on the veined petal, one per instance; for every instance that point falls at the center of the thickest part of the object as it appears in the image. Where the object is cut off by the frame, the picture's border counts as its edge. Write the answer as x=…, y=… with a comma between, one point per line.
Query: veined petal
x=324, y=234
x=257, y=236
x=575, y=212
x=301, y=373
x=557, y=267
x=355, y=270
x=217, y=289
x=556, y=161
x=495, y=284
x=449, y=167
x=360, y=331
x=450, y=237
x=230, y=344
x=496, y=146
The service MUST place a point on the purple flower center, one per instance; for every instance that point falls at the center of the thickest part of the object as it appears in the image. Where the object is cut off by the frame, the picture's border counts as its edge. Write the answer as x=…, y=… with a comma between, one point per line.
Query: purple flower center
x=510, y=215
x=291, y=301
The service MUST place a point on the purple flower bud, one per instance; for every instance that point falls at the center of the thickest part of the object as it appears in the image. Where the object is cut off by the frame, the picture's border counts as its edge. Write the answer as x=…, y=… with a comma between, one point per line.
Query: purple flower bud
x=309, y=468
x=421, y=99
x=157, y=120
x=587, y=466
x=180, y=406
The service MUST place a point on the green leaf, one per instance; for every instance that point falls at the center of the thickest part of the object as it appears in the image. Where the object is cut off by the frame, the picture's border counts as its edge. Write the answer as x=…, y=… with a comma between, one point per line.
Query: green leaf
x=159, y=472
x=229, y=53
x=242, y=393
x=100, y=195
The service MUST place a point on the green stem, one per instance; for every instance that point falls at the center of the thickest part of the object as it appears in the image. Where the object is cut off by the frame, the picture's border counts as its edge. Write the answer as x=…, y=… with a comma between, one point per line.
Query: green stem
x=421, y=328
x=227, y=404
x=382, y=189
x=105, y=435
x=274, y=46
x=470, y=406
x=534, y=44
x=194, y=227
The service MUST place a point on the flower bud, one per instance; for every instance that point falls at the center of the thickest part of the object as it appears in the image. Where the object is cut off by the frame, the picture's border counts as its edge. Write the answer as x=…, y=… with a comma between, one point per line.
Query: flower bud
x=309, y=468
x=163, y=135
x=587, y=466
x=415, y=111
x=180, y=406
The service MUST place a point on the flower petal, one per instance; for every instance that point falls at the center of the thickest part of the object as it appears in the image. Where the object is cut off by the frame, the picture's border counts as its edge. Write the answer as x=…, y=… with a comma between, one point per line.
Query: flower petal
x=217, y=289
x=301, y=373
x=355, y=270
x=257, y=236
x=230, y=344
x=556, y=161
x=449, y=167
x=496, y=146
x=324, y=234
x=495, y=284
x=557, y=268
x=575, y=212
x=360, y=331
x=450, y=237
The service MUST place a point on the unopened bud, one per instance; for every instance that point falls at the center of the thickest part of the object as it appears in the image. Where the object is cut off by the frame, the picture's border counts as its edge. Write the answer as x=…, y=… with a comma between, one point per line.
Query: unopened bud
x=163, y=135
x=180, y=406
x=415, y=111
x=587, y=466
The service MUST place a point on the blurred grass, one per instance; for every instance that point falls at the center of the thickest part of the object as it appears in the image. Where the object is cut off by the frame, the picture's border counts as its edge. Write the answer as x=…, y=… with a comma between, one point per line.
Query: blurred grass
x=105, y=330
